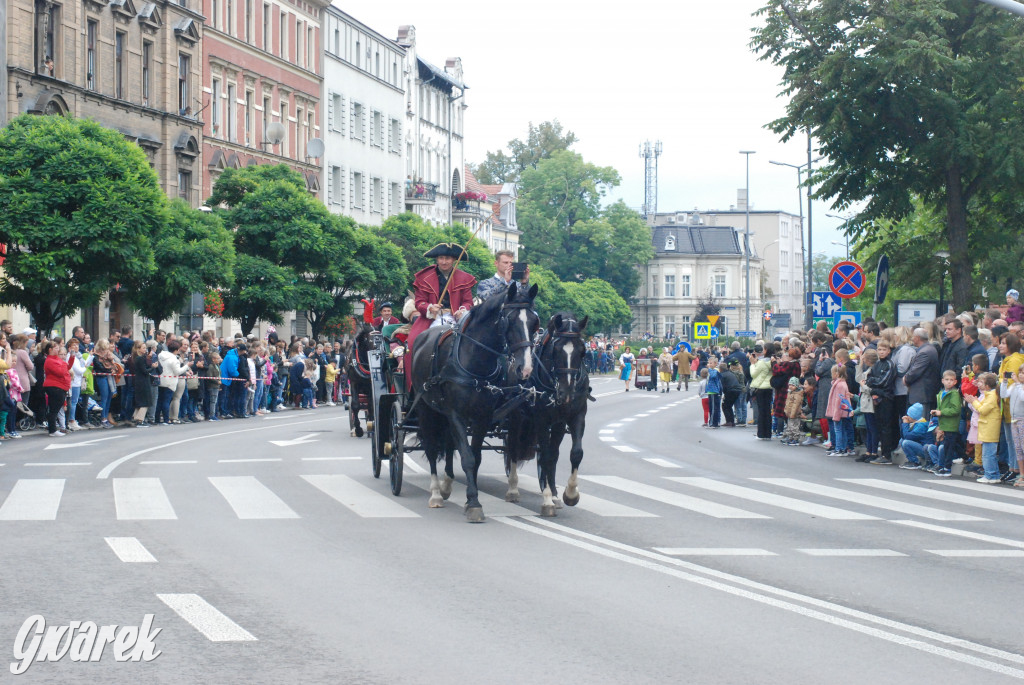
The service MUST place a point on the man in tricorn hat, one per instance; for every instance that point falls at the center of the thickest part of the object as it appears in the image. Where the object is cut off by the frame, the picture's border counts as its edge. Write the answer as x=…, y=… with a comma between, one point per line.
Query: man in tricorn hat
x=428, y=285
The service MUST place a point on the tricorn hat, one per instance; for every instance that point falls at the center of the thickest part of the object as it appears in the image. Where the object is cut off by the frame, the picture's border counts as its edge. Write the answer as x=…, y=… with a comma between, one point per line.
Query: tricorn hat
x=445, y=250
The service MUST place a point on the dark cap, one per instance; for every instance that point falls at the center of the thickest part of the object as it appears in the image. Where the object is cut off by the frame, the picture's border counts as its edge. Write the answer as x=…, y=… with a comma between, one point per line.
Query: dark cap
x=445, y=250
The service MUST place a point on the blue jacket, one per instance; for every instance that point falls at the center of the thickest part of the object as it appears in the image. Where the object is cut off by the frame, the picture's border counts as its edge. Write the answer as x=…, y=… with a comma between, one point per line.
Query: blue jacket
x=917, y=429
x=714, y=382
x=229, y=366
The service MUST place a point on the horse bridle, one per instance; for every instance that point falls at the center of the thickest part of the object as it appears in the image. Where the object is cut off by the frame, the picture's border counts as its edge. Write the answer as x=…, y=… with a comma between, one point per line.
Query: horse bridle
x=575, y=376
x=502, y=331
x=362, y=368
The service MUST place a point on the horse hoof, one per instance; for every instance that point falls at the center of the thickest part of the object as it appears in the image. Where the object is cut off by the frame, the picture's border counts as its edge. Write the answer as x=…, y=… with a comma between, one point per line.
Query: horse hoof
x=511, y=496
x=352, y=432
x=359, y=432
x=435, y=503
x=558, y=504
x=571, y=501
x=548, y=510
x=475, y=515
x=446, y=489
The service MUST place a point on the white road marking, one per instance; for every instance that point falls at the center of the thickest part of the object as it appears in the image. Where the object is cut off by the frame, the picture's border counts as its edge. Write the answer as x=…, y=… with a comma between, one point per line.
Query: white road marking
x=493, y=506
x=977, y=487
x=714, y=552
x=625, y=448
x=982, y=537
x=81, y=443
x=664, y=463
x=58, y=463
x=640, y=416
x=130, y=550
x=761, y=592
x=141, y=499
x=614, y=425
x=251, y=499
x=33, y=499
x=675, y=499
x=952, y=498
x=977, y=552
x=245, y=461
x=411, y=464
x=301, y=440
x=202, y=616
x=606, y=438
x=169, y=461
x=629, y=419
x=590, y=503
x=606, y=431
x=331, y=458
x=362, y=500
x=774, y=500
x=852, y=553
x=869, y=500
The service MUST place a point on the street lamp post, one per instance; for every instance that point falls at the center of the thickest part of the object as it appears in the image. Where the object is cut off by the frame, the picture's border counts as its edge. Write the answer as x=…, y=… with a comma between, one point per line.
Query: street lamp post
x=846, y=222
x=846, y=245
x=747, y=206
x=809, y=278
x=944, y=256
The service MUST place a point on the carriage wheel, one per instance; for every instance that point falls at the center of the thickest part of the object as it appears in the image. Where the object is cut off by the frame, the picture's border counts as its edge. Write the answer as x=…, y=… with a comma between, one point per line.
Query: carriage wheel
x=397, y=456
x=375, y=455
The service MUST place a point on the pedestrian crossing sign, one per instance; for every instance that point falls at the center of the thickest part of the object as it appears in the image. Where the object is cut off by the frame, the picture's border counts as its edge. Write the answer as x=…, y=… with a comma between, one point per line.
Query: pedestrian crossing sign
x=702, y=331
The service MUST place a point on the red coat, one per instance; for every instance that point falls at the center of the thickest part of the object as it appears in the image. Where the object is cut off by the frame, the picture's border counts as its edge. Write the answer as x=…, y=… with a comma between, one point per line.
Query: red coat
x=379, y=323
x=57, y=375
x=425, y=286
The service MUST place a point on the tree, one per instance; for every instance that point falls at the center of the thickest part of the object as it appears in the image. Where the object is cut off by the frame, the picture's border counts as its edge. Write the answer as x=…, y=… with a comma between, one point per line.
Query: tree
x=79, y=207
x=598, y=300
x=541, y=142
x=193, y=252
x=281, y=234
x=566, y=230
x=907, y=100
x=708, y=306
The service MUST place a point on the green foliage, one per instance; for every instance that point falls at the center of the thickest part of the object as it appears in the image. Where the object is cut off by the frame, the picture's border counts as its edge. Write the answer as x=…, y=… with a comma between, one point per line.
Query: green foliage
x=194, y=252
x=541, y=142
x=79, y=208
x=707, y=306
x=908, y=101
x=566, y=230
x=593, y=297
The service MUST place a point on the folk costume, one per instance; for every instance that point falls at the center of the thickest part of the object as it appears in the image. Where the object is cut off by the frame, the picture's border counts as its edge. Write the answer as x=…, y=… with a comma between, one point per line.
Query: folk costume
x=429, y=283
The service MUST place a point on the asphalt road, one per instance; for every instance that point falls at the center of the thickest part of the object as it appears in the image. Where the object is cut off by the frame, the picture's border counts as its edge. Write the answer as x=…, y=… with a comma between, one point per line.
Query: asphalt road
x=267, y=553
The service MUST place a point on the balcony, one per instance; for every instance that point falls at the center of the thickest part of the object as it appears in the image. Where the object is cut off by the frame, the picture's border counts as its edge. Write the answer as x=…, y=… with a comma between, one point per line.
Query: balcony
x=465, y=208
x=420, y=193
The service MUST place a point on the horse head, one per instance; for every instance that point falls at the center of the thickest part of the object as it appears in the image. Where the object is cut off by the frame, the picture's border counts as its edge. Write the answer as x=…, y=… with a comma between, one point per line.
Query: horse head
x=518, y=325
x=563, y=354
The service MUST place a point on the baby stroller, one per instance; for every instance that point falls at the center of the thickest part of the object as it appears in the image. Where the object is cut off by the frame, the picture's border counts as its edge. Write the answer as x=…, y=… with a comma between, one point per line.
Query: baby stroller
x=25, y=418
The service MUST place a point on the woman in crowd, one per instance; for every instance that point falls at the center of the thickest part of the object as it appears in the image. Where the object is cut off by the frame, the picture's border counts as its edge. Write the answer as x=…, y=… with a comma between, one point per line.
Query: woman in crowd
x=56, y=384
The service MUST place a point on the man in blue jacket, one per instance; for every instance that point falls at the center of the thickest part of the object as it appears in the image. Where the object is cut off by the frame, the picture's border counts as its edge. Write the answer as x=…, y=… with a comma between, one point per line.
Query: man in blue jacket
x=228, y=370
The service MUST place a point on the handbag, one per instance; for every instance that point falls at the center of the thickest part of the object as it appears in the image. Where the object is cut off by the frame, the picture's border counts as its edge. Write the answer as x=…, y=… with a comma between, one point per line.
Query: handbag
x=192, y=383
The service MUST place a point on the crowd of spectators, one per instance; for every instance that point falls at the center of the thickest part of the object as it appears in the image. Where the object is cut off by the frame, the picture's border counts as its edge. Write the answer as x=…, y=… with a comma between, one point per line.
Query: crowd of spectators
x=159, y=380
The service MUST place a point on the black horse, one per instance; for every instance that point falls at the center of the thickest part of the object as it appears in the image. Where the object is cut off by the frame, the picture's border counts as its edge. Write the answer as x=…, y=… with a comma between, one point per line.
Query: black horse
x=461, y=382
x=359, y=378
x=563, y=386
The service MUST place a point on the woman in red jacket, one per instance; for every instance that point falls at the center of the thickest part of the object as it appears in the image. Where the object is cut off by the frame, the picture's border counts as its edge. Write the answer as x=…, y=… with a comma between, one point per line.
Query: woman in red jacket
x=56, y=384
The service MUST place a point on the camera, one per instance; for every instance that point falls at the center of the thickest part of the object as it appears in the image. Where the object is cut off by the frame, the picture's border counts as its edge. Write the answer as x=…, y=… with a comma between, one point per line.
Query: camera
x=518, y=271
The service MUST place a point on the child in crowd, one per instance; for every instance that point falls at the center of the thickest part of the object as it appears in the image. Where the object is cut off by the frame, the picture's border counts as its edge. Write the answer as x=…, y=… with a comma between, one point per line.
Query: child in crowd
x=702, y=392
x=307, y=384
x=794, y=405
x=1014, y=394
x=989, y=424
x=714, y=391
x=968, y=386
x=867, y=406
x=914, y=436
x=838, y=412
x=330, y=378
x=948, y=433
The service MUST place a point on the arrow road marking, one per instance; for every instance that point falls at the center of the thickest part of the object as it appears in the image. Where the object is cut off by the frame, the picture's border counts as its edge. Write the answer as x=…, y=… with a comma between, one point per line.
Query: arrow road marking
x=297, y=441
x=69, y=445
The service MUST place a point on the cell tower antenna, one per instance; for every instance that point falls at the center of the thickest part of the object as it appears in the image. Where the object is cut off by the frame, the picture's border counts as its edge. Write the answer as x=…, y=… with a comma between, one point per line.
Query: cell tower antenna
x=650, y=152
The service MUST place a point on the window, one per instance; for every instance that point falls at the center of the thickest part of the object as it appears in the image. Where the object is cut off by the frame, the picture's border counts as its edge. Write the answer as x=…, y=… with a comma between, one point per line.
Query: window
x=335, y=188
x=798, y=287
x=309, y=50
x=376, y=195
x=90, y=55
x=670, y=243
x=215, y=106
x=337, y=42
x=147, y=70
x=783, y=258
x=232, y=117
x=215, y=11
x=185, y=185
x=310, y=125
x=396, y=136
x=248, y=21
x=359, y=59
x=248, y=117
x=357, y=190
x=231, y=17
x=377, y=134
x=719, y=285
x=266, y=27
x=684, y=285
x=396, y=199
x=298, y=43
x=283, y=33
x=299, y=138
x=670, y=286
x=784, y=286
x=376, y=59
x=47, y=38
x=337, y=115
x=657, y=328
x=654, y=286
x=184, y=81
x=684, y=328
x=670, y=326
x=119, y=38
x=357, y=121
x=722, y=325
x=784, y=229
x=266, y=118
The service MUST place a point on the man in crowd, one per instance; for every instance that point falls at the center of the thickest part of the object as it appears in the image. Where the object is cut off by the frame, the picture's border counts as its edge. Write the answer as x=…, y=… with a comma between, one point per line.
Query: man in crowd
x=386, y=317
x=954, y=350
x=922, y=376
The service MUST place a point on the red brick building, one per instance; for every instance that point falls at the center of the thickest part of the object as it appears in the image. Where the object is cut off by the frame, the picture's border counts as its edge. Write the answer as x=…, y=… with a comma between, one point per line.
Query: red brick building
x=261, y=64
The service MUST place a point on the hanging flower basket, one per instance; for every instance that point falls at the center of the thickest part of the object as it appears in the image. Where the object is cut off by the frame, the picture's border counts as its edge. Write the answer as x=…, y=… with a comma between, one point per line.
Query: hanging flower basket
x=214, y=303
x=471, y=195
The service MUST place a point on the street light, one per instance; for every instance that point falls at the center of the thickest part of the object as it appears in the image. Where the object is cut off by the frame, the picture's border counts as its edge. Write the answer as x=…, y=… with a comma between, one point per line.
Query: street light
x=846, y=222
x=747, y=206
x=809, y=278
x=944, y=256
x=846, y=245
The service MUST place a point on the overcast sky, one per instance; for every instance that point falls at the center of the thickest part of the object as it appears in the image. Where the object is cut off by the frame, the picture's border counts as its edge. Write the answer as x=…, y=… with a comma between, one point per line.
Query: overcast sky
x=617, y=74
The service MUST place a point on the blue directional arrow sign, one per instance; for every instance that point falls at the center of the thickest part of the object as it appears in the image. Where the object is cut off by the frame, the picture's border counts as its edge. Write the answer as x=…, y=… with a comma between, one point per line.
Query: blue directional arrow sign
x=852, y=317
x=825, y=304
x=882, y=279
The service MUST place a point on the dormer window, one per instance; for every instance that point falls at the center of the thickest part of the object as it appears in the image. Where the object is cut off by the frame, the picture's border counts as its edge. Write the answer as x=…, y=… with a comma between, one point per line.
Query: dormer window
x=670, y=243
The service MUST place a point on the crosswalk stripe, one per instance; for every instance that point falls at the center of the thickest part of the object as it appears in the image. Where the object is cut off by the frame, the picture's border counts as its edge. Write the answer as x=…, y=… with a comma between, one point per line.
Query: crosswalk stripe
x=362, y=500
x=33, y=499
x=977, y=552
x=982, y=537
x=493, y=506
x=852, y=553
x=130, y=550
x=979, y=487
x=592, y=504
x=714, y=552
x=141, y=499
x=952, y=498
x=626, y=448
x=774, y=500
x=205, y=618
x=675, y=499
x=663, y=463
x=869, y=500
x=251, y=499
x=606, y=438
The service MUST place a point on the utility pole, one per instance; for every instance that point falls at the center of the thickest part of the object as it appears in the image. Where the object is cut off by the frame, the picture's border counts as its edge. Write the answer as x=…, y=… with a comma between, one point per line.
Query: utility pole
x=747, y=205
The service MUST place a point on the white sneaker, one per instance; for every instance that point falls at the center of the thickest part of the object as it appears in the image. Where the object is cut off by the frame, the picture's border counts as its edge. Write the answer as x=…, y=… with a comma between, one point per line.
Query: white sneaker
x=73, y=426
x=57, y=434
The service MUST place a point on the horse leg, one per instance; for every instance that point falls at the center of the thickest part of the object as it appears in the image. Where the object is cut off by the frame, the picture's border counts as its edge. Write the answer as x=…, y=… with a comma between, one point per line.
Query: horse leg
x=357, y=429
x=449, y=469
x=547, y=477
x=550, y=445
x=457, y=429
x=571, y=496
x=513, y=482
x=430, y=441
